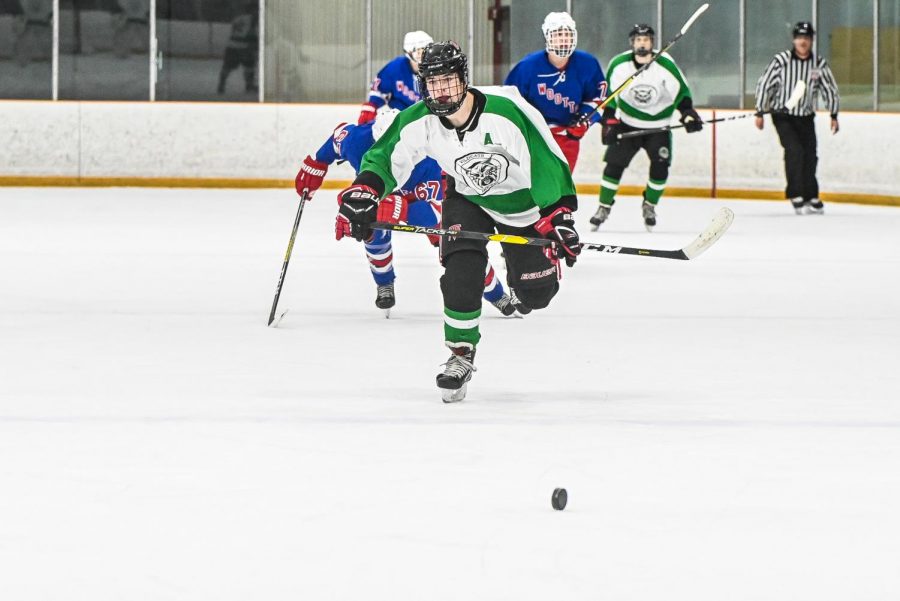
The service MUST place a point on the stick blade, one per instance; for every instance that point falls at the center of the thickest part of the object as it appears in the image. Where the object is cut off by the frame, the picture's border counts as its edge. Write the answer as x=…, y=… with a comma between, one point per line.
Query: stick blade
x=277, y=320
x=720, y=223
x=796, y=95
x=694, y=17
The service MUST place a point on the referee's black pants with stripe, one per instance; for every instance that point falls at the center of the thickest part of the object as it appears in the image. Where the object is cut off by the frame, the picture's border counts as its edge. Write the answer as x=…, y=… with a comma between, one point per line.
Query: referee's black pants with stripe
x=798, y=137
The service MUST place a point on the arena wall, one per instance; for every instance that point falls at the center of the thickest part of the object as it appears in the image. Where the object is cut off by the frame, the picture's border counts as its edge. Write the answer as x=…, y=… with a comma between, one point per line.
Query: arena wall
x=261, y=145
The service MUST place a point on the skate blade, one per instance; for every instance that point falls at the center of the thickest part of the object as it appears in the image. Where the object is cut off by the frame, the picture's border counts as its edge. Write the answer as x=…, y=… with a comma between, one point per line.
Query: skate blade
x=649, y=227
x=387, y=313
x=453, y=395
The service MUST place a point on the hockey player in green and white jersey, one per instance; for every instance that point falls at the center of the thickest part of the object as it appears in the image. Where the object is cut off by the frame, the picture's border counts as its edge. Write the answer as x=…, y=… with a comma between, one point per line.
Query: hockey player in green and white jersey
x=648, y=103
x=505, y=173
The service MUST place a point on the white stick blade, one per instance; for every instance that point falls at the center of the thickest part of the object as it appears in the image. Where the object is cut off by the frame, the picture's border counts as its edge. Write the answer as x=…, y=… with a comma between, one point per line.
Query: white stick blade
x=693, y=18
x=718, y=226
x=796, y=95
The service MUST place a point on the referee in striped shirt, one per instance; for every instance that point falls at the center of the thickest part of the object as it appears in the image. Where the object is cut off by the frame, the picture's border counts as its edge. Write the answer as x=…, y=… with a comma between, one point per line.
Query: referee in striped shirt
x=795, y=127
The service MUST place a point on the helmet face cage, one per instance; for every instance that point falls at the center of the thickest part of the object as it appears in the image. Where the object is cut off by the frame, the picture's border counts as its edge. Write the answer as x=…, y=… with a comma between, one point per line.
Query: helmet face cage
x=638, y=31
x=561, y=41
x=415, y=55
x=560, y=34
x=446, y=68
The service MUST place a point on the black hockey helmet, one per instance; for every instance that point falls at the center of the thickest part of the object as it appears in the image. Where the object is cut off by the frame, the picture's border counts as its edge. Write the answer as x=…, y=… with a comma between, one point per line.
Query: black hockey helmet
x=804, y=28
x=443, y=58
x=641, y=29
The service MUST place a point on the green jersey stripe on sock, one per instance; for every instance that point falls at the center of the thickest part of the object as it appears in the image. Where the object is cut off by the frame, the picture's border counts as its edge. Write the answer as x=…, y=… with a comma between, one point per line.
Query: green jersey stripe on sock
x=461, y=326
x=462, y=315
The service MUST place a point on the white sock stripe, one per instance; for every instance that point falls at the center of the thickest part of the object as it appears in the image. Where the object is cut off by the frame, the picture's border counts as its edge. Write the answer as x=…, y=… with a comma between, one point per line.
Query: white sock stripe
x=493, y=285
x=653, y=186
x=379, y=256
x=384, y=269
x=461, y=324
x=609, y=185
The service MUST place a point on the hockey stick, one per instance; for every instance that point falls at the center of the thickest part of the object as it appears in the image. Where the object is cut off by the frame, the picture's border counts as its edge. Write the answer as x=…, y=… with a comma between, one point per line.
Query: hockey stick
x=719, y=224
x=621, y=88
x=287, y=258
x=791, y=102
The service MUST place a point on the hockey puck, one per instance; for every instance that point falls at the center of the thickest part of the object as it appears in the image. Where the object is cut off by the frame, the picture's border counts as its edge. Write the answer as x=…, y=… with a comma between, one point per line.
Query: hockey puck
x=559, y=499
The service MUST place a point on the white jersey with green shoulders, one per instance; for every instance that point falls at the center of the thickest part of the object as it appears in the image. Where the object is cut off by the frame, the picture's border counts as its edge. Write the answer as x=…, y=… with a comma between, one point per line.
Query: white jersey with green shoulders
x=651, y=99
x=506, y=162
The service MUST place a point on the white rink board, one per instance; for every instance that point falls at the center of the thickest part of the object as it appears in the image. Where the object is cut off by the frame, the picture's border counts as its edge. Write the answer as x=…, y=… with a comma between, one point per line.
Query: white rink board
x=249, y=141
x=727, y=428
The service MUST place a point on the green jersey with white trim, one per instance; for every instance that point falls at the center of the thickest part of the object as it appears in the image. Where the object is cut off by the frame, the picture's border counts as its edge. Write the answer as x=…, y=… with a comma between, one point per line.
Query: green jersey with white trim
x=651, y=99
x=504, y=159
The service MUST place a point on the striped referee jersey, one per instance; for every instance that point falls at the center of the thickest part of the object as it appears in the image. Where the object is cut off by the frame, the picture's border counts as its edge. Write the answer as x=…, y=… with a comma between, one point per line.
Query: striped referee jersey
x=783, y=73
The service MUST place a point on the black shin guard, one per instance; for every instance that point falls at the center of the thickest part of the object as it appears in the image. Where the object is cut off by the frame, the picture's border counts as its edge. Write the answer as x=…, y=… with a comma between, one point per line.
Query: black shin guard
x=463, y=281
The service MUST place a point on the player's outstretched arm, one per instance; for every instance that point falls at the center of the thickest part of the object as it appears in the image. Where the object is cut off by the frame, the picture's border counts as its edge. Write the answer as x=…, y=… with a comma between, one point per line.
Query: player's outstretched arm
x=314, y=168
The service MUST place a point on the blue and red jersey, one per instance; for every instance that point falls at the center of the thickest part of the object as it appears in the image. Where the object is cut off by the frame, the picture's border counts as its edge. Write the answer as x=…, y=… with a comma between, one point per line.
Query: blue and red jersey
x=350, y=142
x=395, y=85
x=560, y=94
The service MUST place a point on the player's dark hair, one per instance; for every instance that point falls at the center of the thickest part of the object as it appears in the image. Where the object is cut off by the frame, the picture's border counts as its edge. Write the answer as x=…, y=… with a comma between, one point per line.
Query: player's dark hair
x=644, y=30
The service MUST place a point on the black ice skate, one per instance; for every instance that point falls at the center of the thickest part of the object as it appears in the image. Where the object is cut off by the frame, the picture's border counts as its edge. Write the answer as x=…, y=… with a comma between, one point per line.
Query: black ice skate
x=649, y=210
x=385, y=299
x=505, y=305
x=798, y=204
x=521, y=308
x=815, y=207
x=457, y=372
x=599, y=217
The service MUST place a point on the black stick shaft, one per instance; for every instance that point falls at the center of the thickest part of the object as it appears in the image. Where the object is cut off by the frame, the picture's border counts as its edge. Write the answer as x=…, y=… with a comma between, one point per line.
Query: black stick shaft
x=524, y=240
x=287, y=256
x=647, y=132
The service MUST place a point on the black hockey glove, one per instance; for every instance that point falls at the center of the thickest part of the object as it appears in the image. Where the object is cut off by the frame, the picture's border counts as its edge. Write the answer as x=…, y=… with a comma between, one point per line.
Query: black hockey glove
x=559, y=226
x=610, y=127
x=358, y=208
x=610, y=131
x=691, y=120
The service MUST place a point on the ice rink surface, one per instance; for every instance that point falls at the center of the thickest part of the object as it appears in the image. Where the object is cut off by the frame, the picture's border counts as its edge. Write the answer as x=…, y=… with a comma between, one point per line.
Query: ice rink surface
x=727, y=428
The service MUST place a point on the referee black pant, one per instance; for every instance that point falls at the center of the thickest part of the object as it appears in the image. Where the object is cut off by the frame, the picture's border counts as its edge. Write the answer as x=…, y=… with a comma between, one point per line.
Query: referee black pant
x=798, y=138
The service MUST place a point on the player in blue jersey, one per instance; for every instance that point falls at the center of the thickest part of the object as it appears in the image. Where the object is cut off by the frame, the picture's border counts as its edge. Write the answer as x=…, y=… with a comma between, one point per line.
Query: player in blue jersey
x=417, y=202
x=395, y=84
x=562, y=83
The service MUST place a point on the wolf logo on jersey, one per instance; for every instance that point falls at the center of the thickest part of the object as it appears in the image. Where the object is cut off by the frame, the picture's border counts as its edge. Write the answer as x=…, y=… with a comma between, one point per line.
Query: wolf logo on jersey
x=643, y=94
x=483, y=170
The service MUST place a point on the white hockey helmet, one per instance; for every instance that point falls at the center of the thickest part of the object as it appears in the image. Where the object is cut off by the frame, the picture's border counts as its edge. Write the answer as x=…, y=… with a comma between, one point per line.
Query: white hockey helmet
x=415, y=41
x=383, y=121
x=560, y=34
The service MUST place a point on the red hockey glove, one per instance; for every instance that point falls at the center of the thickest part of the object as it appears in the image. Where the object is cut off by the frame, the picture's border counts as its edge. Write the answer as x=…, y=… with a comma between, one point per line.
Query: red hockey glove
x=559, y=226
x=358, y=208
x=367, y=113
x=578, y=127
x=310, y=176
x=393, y=208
